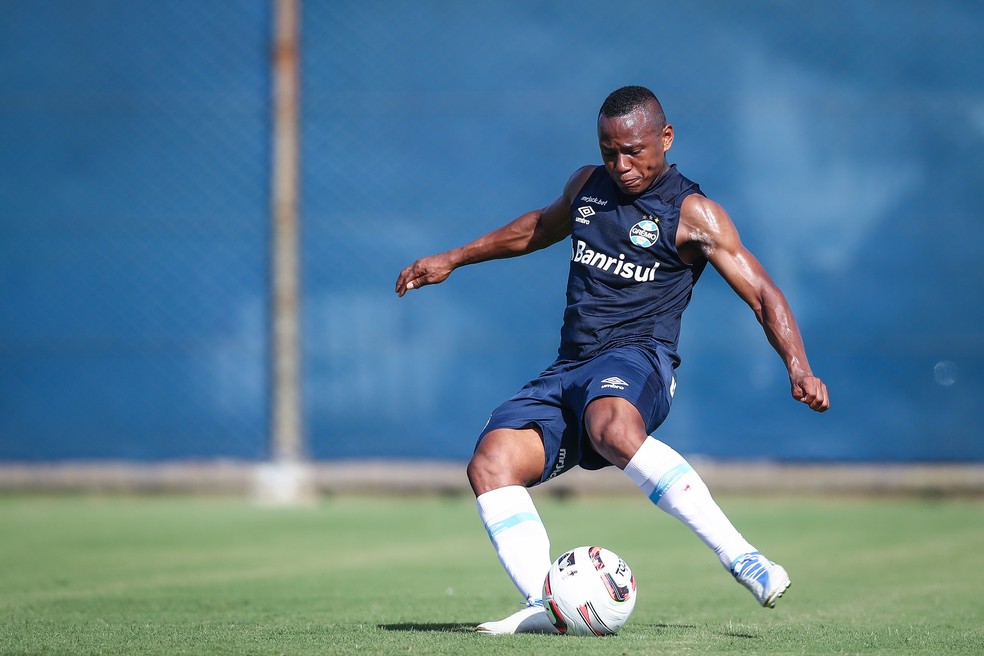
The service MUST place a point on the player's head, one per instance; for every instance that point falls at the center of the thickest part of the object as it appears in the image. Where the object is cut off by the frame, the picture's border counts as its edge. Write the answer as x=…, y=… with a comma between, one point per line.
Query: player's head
x=634, y=136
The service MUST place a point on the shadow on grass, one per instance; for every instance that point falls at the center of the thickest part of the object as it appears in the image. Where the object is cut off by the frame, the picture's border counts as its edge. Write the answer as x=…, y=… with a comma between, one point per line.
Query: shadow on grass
x=672, y=626
x=433, y=628
x=739, y=634
x=470, y=628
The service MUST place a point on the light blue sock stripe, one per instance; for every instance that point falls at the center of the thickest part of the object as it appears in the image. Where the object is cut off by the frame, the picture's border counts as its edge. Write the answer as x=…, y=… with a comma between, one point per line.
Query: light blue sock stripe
x=509, y=522
x=668, y=479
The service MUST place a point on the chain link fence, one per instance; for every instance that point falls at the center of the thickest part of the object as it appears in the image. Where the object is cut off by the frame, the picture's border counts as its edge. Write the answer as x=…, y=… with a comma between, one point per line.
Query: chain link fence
x=134, y=208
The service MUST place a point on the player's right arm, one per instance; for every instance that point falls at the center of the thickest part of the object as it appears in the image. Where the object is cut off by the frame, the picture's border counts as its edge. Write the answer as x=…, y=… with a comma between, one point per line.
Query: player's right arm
x=528, y=233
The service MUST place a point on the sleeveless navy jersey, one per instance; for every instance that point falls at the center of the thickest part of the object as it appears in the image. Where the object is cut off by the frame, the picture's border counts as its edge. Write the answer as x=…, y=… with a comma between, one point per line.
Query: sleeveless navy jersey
x=627, y=283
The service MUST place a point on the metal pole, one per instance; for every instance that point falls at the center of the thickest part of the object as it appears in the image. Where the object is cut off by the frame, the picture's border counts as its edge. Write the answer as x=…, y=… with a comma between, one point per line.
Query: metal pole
x=287, y=438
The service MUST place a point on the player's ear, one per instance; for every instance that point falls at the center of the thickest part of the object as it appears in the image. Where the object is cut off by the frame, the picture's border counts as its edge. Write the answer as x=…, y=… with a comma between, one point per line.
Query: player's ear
x=667, y=137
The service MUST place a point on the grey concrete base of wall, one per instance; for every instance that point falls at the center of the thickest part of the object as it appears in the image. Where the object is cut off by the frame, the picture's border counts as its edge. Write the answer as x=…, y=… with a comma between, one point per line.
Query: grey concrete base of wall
x=293, y=482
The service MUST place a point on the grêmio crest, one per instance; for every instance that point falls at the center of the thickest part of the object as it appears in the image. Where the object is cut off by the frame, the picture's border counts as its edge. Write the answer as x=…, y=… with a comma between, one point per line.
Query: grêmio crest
x=645, y=233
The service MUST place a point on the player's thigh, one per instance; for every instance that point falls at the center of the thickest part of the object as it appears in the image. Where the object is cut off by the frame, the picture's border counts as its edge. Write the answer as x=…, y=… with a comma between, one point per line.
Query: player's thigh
x=507, y=456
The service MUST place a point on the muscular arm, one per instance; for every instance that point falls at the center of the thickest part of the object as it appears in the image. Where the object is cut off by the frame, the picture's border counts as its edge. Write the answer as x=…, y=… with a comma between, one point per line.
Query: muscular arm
x=706, y=228
x=528, y=233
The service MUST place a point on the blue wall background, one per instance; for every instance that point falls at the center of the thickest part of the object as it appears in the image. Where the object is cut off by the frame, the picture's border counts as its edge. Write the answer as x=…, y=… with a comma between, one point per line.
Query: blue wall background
x=843, y=138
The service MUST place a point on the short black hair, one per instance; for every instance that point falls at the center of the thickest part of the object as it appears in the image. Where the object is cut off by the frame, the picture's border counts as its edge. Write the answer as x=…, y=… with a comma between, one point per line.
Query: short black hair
x=626, y=100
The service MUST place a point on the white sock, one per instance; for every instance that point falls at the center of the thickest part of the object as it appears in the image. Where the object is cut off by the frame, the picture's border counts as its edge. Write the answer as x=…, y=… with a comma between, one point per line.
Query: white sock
x=672, y=484
x=519, y=538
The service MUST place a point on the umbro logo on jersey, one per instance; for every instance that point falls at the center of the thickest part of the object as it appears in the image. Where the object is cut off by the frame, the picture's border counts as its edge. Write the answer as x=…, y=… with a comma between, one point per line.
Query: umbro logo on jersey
x=614, y=382
x=586, y=211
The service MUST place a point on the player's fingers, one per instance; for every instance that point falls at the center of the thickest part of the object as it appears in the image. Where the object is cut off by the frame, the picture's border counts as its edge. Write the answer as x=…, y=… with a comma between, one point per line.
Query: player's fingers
x=415, y=283
x=409, y=279
x=417, y=280
x=802, y=393
x=807, y=398
x=822, y=402
x=401, y=286
x=811, y=392
x=407, y=286
x=814, y=394
x=403, y=278
x=420, y=274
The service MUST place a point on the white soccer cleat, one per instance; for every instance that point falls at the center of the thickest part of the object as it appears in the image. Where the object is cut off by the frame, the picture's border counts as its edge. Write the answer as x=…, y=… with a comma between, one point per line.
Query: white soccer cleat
x=764, y=579
x=531, y=619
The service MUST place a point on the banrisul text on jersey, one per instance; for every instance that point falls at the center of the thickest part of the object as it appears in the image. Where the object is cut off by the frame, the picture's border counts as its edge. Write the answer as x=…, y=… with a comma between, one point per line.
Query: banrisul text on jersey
x=627, y=283
x=617, y=265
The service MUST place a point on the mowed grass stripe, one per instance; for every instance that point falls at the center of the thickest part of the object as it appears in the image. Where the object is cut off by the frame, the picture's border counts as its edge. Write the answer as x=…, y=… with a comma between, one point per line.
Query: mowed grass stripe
x=79, y=548
x=394, y=576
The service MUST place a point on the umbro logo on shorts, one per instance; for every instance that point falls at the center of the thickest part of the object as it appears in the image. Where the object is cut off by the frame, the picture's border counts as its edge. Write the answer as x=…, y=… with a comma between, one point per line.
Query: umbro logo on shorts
x=614, y=383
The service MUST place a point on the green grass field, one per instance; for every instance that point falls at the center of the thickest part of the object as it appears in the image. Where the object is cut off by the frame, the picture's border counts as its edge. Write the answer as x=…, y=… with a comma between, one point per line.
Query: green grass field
x=186, y=575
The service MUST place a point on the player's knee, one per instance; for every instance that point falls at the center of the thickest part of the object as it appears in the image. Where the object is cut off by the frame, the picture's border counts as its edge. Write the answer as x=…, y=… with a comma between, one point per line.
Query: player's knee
x=489, y=469
x=481, y=473
x=612, y=441
x=503, y=460
x=614, y=436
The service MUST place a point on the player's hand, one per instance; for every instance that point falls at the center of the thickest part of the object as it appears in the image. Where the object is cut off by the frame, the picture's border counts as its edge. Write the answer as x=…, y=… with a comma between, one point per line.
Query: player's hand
x=425, y=271
x=812, y=391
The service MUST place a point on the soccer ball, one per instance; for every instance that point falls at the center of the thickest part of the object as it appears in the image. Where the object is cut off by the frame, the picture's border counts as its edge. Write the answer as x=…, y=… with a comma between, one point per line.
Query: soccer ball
x=589, y=591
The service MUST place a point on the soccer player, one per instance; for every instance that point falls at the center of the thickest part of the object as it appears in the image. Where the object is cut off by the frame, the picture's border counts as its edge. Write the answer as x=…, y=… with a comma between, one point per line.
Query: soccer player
x=641, y=234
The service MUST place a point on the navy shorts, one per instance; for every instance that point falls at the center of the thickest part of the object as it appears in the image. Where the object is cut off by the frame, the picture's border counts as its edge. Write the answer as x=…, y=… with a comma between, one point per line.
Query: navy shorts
x=555, y=401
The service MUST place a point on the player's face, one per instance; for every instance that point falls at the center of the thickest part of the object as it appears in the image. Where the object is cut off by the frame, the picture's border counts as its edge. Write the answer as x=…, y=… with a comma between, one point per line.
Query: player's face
x=634, y=150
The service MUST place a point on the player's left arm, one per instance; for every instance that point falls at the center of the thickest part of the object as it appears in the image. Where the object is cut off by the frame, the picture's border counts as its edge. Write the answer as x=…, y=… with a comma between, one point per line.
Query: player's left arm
x=707, y=230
